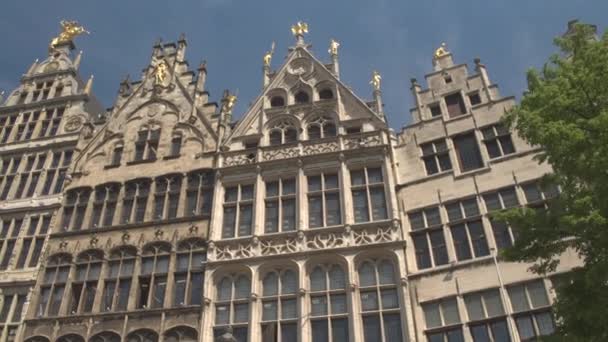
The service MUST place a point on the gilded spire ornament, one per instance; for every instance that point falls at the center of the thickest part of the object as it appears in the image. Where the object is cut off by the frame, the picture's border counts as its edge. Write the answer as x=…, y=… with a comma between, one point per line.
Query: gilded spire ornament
x=69, y=30
x=376, y=80
x=441, y=51
x=268, y=56
x=333, y=47
x=299, y=28
x=229, y=101
x=161, y=72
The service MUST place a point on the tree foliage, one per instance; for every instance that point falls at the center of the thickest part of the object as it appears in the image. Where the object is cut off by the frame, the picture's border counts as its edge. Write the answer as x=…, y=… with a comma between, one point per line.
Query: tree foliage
x=565, y=113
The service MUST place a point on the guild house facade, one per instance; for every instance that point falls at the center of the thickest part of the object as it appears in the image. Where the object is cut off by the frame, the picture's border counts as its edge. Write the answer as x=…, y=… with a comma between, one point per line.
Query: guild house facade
x=307, y=219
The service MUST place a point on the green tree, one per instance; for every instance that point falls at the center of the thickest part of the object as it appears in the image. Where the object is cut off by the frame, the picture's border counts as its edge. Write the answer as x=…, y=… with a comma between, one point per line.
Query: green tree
x=565, y=113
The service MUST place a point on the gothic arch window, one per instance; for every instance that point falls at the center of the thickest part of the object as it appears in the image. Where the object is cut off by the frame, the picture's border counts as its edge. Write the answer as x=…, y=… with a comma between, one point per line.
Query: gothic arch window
x=70, y=338
x=135, y=200
x=282, y=132
x=116, y=154
x=189, y=270
x=277, y=101
x=104, y=204
x=146, y=145
x=321, y=127
x=166, y=196
x=181, y=334
x=153, y=276
x=37, y=339
x=142, y=335
x=84, y=285
x=328, y=303
x=199, y=193
x=280, y=306
x=232, y=306
x=326, y=94
x=301, y=97
x=106, y=336
x=118, y=279
x=74, y=208
x=53, y=284
x=379, y=301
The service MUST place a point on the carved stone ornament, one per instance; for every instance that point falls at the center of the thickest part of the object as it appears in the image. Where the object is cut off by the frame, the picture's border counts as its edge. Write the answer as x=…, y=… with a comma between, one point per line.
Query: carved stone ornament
x=93, y=242
x=159, y=234
x=125, y=237
x=193, y=229
x=73, y=124
x=63, y=245
x=156, y=109
x=300, y=67
x=53, y=66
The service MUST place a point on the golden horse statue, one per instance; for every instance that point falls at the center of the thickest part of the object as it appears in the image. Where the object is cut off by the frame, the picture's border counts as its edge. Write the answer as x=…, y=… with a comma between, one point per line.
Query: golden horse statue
x=69, y=30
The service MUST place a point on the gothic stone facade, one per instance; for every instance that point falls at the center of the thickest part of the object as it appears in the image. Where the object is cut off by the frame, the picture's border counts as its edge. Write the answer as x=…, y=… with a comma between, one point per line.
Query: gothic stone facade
x=306, y=220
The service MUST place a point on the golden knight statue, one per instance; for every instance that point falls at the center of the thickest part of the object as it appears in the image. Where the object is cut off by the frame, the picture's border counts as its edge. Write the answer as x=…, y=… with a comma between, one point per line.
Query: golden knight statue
x=441, y=51
x=376, y=79
x=69, y=30
x=333, y=47
x=299, y=28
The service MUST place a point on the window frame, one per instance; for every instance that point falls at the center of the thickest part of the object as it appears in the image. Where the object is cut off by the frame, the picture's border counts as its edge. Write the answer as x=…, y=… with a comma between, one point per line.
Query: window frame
x=437, y=155
x=238, y=204
x=322, y=193
x=371, y=205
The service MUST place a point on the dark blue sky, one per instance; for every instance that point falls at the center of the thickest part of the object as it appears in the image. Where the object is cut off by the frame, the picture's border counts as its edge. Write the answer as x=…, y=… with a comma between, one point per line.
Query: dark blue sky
x=396, y=37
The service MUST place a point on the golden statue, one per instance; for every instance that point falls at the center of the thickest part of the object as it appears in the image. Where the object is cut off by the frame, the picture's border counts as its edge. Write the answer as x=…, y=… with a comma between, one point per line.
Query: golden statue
x=376, y=79
x=299, y=29
x=229, y=101
x=70, y=29
x=441, y=51
x=161, y=72
x=268, y=55
x=333, y=47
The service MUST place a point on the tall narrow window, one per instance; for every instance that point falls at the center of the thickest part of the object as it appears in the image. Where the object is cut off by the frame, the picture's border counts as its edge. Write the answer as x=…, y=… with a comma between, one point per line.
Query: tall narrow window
x=28, y=176
x=6, y=127
x=367, y=187
x=8, y=173
x=11, y=312
x=199, y=194
x=532, y=310
x=282, y=132
x=455, y=105
x=321, y=127
x=279, y=306
x=116, y=155
x=135, y=201
x=74, y=208
x=84, y=285
x=436, y=156
x=189, y=270
x=324, y=200
x=232, y=306
x=146, y=145
x=176, y=145
x=379, y=301
x=153, y=278
x=118, y=279
x=280, y=206
x=10, y=230
x=467, y=229
x=442, y=319
x=497, y=140
x=328, y=304
x=486, y=313
x=468, y=152
x=427, y=234
x=52, y=120
x=55, y=173
x=497, y=200
x=238, y=211
x=53, y=284
x=104, y=204
x=33, y=240
x=166, y=196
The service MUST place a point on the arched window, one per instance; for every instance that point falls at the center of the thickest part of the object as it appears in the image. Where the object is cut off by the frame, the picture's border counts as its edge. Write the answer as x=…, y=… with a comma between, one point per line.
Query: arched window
x=37, y=339
x=117, y=154
x=326, y=94
x=53, y=284
x=146, y=145
x=74, y=208
x=84, y=286
x=166, y=196
x=301, y=97
x=232, y=306
x=200, y=193
x=379, y=301
x=277, y=101
x=135, y=200
x=181, y=334
x=106, y=336
x=153, y=278
x=142, y=335
x=321, y=127
x=282, y=132
x=104, y=204
x=280, y=306
x=70, y=338
x=118, y=279
x=328, y=303
x=189, y=270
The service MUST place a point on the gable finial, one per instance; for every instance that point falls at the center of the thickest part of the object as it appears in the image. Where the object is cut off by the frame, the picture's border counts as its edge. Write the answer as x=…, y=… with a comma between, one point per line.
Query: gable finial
x=69, y=30
x=441, y=51
x=268, y=55
x=298, y=30
x=376, y=80
x=333, y=47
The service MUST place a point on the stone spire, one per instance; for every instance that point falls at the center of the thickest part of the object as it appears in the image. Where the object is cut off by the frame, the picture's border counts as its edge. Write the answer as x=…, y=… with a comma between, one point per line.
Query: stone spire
x=333, y=52
x=77, y=60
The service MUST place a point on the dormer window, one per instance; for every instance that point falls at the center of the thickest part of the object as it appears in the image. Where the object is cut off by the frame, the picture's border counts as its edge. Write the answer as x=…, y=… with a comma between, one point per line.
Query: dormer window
x=447, y=79
x=282, y=133
x=302, y=97
x=277, y=101
x=326, y=94
x=147, y=144
x=116, y=154
x=321, y=127
x=176, y=145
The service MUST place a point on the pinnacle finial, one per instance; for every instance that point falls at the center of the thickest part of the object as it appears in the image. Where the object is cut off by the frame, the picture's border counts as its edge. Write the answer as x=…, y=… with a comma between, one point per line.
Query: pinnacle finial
x=333, y=47
x=441, y=51
x=69, y=30
x=376, y=80
x=298, y=30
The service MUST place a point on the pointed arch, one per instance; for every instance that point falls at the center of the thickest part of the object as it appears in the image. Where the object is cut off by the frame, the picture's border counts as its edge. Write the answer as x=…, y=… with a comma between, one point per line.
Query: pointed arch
x=105, y=336
x=37, y=339
x=70, y=338
x=181, y=333
x=142, y=335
